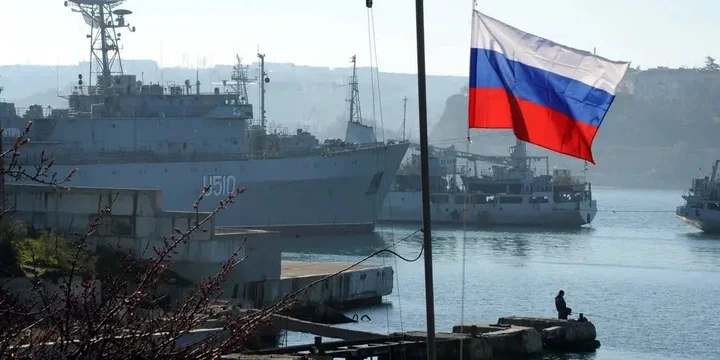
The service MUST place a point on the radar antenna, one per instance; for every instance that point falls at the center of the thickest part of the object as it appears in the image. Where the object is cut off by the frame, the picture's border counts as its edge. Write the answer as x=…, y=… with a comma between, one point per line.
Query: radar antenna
x=241, y=79
x=354, y=100
x=104, y=20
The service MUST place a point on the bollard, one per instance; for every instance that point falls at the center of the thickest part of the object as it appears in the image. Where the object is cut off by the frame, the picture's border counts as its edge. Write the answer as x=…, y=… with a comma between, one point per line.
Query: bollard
x=318, y=346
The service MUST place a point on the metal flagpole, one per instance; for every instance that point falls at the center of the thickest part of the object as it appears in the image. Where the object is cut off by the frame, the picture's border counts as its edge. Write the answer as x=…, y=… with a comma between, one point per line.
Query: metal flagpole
x=425, y=172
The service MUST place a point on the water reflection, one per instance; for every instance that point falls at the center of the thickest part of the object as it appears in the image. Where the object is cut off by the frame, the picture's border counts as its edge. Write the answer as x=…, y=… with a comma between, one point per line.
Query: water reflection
x=516, y=245
x=700, y=235
x=565, y=356
x=518, y=242
x=704, y=247
x=352, y=245
x=538, y=230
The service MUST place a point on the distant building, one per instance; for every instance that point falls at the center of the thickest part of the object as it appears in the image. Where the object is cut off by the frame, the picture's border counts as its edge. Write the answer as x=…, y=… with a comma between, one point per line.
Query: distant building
x=671, y=85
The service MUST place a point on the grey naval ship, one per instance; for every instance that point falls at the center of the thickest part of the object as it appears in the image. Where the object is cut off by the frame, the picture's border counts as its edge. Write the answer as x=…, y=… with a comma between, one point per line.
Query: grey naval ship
x=510, y=194
x=120, y=132
x=702, y=203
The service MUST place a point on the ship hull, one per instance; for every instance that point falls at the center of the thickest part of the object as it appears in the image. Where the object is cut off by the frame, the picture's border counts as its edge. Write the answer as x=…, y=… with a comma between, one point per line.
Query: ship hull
x=406, y=207
x=311, y=195
x=705, y=220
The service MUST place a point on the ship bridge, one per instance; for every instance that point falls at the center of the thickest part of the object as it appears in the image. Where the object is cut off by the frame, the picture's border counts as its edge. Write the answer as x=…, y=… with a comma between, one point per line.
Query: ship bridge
x=129, y=98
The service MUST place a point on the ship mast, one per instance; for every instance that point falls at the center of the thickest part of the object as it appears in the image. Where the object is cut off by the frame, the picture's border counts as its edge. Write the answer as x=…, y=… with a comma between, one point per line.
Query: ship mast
x=404, y=117
x=354, y=98
x=104, y=21
x=713, y=178
x=263, y=80
x=240, y=76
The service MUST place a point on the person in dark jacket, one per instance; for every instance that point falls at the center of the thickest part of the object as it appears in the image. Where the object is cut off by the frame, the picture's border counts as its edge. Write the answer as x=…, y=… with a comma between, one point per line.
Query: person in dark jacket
x=561, y=307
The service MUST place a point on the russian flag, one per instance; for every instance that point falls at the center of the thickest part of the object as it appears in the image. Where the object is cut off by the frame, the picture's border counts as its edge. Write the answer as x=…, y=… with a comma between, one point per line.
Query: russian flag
x=551, y=95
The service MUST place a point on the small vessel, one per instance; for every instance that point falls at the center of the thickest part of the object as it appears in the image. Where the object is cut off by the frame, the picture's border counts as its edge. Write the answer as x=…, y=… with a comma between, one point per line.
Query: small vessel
x=510, y=194
x=702, y=203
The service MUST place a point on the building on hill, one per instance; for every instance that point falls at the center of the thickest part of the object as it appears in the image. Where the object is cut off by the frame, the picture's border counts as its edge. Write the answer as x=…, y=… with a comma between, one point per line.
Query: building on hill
x=664, y=84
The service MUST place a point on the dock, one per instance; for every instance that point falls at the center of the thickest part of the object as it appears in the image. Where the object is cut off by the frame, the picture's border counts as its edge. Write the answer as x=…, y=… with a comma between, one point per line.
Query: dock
x=510, y=337
x=360, y=286
x=138, y=222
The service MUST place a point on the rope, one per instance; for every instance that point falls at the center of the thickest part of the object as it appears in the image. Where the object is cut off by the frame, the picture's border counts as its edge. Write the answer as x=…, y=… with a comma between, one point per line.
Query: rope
x=604, y=317
x=636, y=211
x=374, y=122
x=464, y=248
x=464, y=242
x=373, y=56
x=485, y=136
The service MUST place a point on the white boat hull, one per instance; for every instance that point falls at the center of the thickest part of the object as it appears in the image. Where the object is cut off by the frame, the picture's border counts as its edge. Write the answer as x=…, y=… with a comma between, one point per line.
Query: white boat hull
x=407, y=207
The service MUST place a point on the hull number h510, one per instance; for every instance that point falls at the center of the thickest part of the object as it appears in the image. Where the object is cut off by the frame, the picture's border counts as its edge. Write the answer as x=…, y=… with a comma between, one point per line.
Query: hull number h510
x=220, y=185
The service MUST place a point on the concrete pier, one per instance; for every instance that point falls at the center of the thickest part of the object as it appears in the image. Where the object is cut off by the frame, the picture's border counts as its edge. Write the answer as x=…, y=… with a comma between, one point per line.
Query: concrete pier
x=522, y=336
x=411, y=345
x=571, y=335
x=138, y=222
x=362, y=285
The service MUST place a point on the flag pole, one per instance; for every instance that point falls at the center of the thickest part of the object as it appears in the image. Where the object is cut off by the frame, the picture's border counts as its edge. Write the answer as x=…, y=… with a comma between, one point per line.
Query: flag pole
x=425, y=174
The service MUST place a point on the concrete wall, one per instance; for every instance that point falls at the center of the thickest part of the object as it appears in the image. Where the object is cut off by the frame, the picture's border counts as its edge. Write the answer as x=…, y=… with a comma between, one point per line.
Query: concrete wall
x=137, y=221
x=345, y=289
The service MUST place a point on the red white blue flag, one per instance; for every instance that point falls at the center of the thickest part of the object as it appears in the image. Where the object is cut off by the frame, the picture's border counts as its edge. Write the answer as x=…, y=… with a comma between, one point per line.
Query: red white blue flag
x=551, y=95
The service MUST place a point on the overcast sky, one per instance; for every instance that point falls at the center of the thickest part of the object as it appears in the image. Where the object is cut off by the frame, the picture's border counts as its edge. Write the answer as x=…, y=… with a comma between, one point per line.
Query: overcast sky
x=327, y=32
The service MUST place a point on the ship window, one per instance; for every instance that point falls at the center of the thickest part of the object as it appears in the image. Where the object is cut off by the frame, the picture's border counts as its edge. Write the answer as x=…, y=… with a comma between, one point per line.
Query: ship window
x=539, y=200
x=511, y=200
x=439, y=199
x=478, y=199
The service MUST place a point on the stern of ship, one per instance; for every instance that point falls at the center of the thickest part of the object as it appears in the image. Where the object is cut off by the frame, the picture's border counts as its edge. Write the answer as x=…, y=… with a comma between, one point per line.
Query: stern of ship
x=588, y=210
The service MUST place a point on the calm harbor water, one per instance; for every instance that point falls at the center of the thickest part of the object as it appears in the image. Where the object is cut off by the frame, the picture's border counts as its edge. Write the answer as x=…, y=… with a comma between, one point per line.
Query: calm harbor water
x=649, y=282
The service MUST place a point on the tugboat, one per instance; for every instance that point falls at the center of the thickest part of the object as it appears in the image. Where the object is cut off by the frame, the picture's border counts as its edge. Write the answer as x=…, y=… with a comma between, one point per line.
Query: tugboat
x=702, y=203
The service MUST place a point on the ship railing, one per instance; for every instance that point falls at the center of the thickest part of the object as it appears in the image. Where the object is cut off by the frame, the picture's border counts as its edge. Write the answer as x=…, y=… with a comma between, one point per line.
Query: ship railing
x=22, y=111
x=88, y=90
x=155, y=157
x=570, y=180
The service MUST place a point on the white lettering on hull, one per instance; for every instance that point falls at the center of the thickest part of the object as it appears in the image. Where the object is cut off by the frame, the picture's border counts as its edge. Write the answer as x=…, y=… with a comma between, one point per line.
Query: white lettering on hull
x=13, y=133
x=219, y=185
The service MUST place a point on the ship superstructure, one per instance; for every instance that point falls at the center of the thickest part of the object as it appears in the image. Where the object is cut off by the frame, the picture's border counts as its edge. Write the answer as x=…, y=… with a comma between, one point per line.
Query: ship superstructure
x=121, y=132
x=356, y=131
x=509, y=194
x=702, y=203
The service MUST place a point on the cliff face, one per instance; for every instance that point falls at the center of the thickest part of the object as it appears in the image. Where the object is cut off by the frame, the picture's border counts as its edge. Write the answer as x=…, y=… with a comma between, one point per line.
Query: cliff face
x=663, y=126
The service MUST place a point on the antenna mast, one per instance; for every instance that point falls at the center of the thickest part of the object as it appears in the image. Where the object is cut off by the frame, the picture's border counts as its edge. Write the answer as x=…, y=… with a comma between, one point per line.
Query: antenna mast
x=404, y=117
x=354, y=99
x=104, y=22
x=240, y=76
x=263, y=80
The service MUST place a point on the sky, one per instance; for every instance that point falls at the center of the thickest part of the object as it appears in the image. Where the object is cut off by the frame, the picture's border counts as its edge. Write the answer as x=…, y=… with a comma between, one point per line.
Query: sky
x=189, y=33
